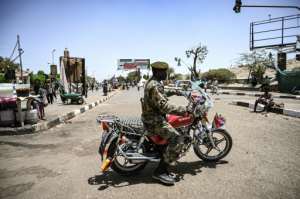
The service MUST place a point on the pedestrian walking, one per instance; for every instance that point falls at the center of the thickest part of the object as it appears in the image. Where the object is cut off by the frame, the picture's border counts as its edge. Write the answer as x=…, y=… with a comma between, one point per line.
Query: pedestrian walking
x=49, y=91
x=41, y=102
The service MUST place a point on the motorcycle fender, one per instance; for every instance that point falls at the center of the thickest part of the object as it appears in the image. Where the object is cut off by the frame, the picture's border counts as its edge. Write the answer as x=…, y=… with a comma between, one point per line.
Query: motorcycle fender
x=106, y=141
x=221, y=127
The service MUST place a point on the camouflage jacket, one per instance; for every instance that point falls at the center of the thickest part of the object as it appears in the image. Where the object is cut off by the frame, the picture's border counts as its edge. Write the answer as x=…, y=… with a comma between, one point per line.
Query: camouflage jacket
x=155, y=104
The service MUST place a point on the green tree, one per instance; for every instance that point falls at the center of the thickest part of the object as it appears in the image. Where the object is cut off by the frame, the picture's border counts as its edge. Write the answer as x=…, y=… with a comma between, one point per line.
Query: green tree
x=198, y=54
x=179, y=76
x=3, y=79
x=38, y=79
x=40, y=72
x=133, y=76
x=257, y=62
x=221, y=74
x=170, y=72
x=6, y=63
x=121, y=79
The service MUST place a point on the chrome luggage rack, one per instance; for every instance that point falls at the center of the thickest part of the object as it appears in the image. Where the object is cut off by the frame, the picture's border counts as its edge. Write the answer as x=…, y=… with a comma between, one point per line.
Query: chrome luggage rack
x=133, y=124
x=107, y=118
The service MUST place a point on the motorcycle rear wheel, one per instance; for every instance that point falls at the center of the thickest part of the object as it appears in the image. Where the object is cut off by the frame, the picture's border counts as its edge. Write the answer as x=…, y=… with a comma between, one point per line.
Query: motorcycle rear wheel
x=206, y=143
x=80, y=101
x=124, y=169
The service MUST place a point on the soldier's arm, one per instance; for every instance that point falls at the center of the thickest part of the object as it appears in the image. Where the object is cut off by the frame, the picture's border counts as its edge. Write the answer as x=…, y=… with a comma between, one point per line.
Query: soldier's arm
x=169, y=92
x=162, y=104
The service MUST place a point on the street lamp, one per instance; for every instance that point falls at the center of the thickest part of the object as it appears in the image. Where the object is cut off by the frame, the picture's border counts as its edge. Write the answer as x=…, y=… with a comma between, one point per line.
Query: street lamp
x=238, y=5
x=53, y=56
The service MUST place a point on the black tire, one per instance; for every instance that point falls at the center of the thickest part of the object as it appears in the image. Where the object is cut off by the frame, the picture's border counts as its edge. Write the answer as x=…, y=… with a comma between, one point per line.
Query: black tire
x=80, y=101
x=224, y=152
x=126, y=171
x=122, y=171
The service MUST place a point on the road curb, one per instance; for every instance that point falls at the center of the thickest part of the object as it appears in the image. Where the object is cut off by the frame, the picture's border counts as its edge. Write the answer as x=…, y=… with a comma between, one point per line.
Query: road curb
x=297, y=97
x=30, y=129
x=287, y=112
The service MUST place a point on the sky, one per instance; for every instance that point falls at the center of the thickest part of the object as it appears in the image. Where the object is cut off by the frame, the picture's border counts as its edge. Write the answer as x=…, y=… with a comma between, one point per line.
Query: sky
x=104, y=31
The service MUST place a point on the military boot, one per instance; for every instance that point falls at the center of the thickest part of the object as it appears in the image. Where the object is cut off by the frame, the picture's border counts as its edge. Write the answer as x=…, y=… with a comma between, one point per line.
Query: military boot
x=161, y=173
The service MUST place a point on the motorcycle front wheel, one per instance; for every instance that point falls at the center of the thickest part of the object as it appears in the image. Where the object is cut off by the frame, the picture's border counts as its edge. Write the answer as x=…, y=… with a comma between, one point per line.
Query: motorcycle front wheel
x=205, y=150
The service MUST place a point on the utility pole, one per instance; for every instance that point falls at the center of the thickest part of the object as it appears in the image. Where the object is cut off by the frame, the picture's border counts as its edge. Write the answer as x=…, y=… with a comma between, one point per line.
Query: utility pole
x=20, y=56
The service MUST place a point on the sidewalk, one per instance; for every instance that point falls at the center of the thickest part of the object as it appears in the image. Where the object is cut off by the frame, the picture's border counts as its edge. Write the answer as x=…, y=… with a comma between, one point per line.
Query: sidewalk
x=282, y=111
x=58, y=113
x=258, y=93
x=289, y=103
x=58, y=108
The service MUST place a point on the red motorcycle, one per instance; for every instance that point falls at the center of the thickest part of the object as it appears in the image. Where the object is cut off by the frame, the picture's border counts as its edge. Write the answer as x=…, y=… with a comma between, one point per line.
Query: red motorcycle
x=126, y=148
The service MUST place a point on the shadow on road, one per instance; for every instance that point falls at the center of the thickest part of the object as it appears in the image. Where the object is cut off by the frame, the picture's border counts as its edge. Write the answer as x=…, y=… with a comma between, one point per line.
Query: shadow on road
x=193, y=168
x=112, y=179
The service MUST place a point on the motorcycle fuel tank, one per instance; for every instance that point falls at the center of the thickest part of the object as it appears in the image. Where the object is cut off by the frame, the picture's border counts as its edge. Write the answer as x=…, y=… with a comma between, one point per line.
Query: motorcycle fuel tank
x=179, y=121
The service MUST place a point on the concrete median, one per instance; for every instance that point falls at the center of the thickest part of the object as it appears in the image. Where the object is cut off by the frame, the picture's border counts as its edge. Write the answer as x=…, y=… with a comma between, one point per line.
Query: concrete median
x=287, y=112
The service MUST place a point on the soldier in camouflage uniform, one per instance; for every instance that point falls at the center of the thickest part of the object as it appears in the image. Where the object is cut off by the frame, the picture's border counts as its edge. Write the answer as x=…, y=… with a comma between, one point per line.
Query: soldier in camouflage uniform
x=155, y=106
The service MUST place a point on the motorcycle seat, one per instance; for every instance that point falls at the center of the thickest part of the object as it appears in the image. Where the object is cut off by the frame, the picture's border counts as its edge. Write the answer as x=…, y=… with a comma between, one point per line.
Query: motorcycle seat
x=156, y=139
x=133, y=122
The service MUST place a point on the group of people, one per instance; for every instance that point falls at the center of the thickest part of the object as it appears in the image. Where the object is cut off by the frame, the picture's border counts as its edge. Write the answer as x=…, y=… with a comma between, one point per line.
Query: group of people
x=46, y=94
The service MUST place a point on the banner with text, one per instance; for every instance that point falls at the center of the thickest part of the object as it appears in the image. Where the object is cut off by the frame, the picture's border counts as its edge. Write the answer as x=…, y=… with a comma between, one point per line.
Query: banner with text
x=133, y=64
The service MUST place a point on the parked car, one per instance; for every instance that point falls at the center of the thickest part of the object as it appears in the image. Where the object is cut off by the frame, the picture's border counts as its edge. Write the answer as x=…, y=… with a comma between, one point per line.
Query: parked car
x=183, y=84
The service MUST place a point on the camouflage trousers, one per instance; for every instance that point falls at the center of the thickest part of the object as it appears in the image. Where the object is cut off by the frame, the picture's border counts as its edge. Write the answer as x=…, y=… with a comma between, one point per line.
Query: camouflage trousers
x=166, y=131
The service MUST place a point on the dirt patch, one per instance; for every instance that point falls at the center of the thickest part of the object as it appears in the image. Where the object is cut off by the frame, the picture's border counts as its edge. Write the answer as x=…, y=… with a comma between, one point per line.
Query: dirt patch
x=87, y=148
x=39, y=171
x=64, y=134
x=29, y=146
x=14, y=190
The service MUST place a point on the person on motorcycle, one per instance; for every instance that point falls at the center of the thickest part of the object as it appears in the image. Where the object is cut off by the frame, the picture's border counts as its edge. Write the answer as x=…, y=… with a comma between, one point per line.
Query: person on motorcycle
x=155, y=106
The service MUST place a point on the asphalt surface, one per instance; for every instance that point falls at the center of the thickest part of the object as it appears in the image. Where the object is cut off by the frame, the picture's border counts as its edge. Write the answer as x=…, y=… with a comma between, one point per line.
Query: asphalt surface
x=58, y=163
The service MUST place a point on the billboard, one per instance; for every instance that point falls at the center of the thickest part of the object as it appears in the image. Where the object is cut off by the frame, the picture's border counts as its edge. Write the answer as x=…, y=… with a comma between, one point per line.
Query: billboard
x=53, y=69
x=133, y=64
x=74, y=67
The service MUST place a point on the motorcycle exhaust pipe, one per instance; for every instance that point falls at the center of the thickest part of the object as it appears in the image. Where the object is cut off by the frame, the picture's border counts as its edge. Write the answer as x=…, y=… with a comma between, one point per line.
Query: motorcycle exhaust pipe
x=143, y=159
x=138, y=157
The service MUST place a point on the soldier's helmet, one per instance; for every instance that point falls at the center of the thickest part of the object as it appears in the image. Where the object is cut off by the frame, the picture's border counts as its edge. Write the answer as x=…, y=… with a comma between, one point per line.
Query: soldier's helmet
x=160, y=65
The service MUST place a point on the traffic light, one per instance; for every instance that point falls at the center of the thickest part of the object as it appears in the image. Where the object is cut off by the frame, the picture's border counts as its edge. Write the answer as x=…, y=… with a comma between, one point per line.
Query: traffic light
x=237, y=6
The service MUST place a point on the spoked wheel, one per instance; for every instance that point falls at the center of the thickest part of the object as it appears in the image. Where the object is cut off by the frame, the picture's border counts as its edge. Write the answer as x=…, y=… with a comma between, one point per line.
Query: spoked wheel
x=124, y=166
x=80, y=101
x=223, y=144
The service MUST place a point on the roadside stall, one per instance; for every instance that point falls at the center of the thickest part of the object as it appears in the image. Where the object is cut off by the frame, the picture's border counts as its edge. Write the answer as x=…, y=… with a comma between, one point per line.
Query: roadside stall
x=16, y=105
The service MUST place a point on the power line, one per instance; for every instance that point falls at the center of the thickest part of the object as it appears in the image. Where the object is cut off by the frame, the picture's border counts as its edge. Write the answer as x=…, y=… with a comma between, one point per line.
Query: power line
x=13, y=51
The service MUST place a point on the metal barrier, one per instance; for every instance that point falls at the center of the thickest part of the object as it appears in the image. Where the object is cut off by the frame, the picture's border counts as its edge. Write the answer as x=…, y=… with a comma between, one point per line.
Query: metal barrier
x=278, y=32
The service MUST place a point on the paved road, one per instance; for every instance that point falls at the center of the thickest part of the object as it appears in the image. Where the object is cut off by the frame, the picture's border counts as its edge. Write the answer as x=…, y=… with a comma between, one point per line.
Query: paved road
x=264, y=162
